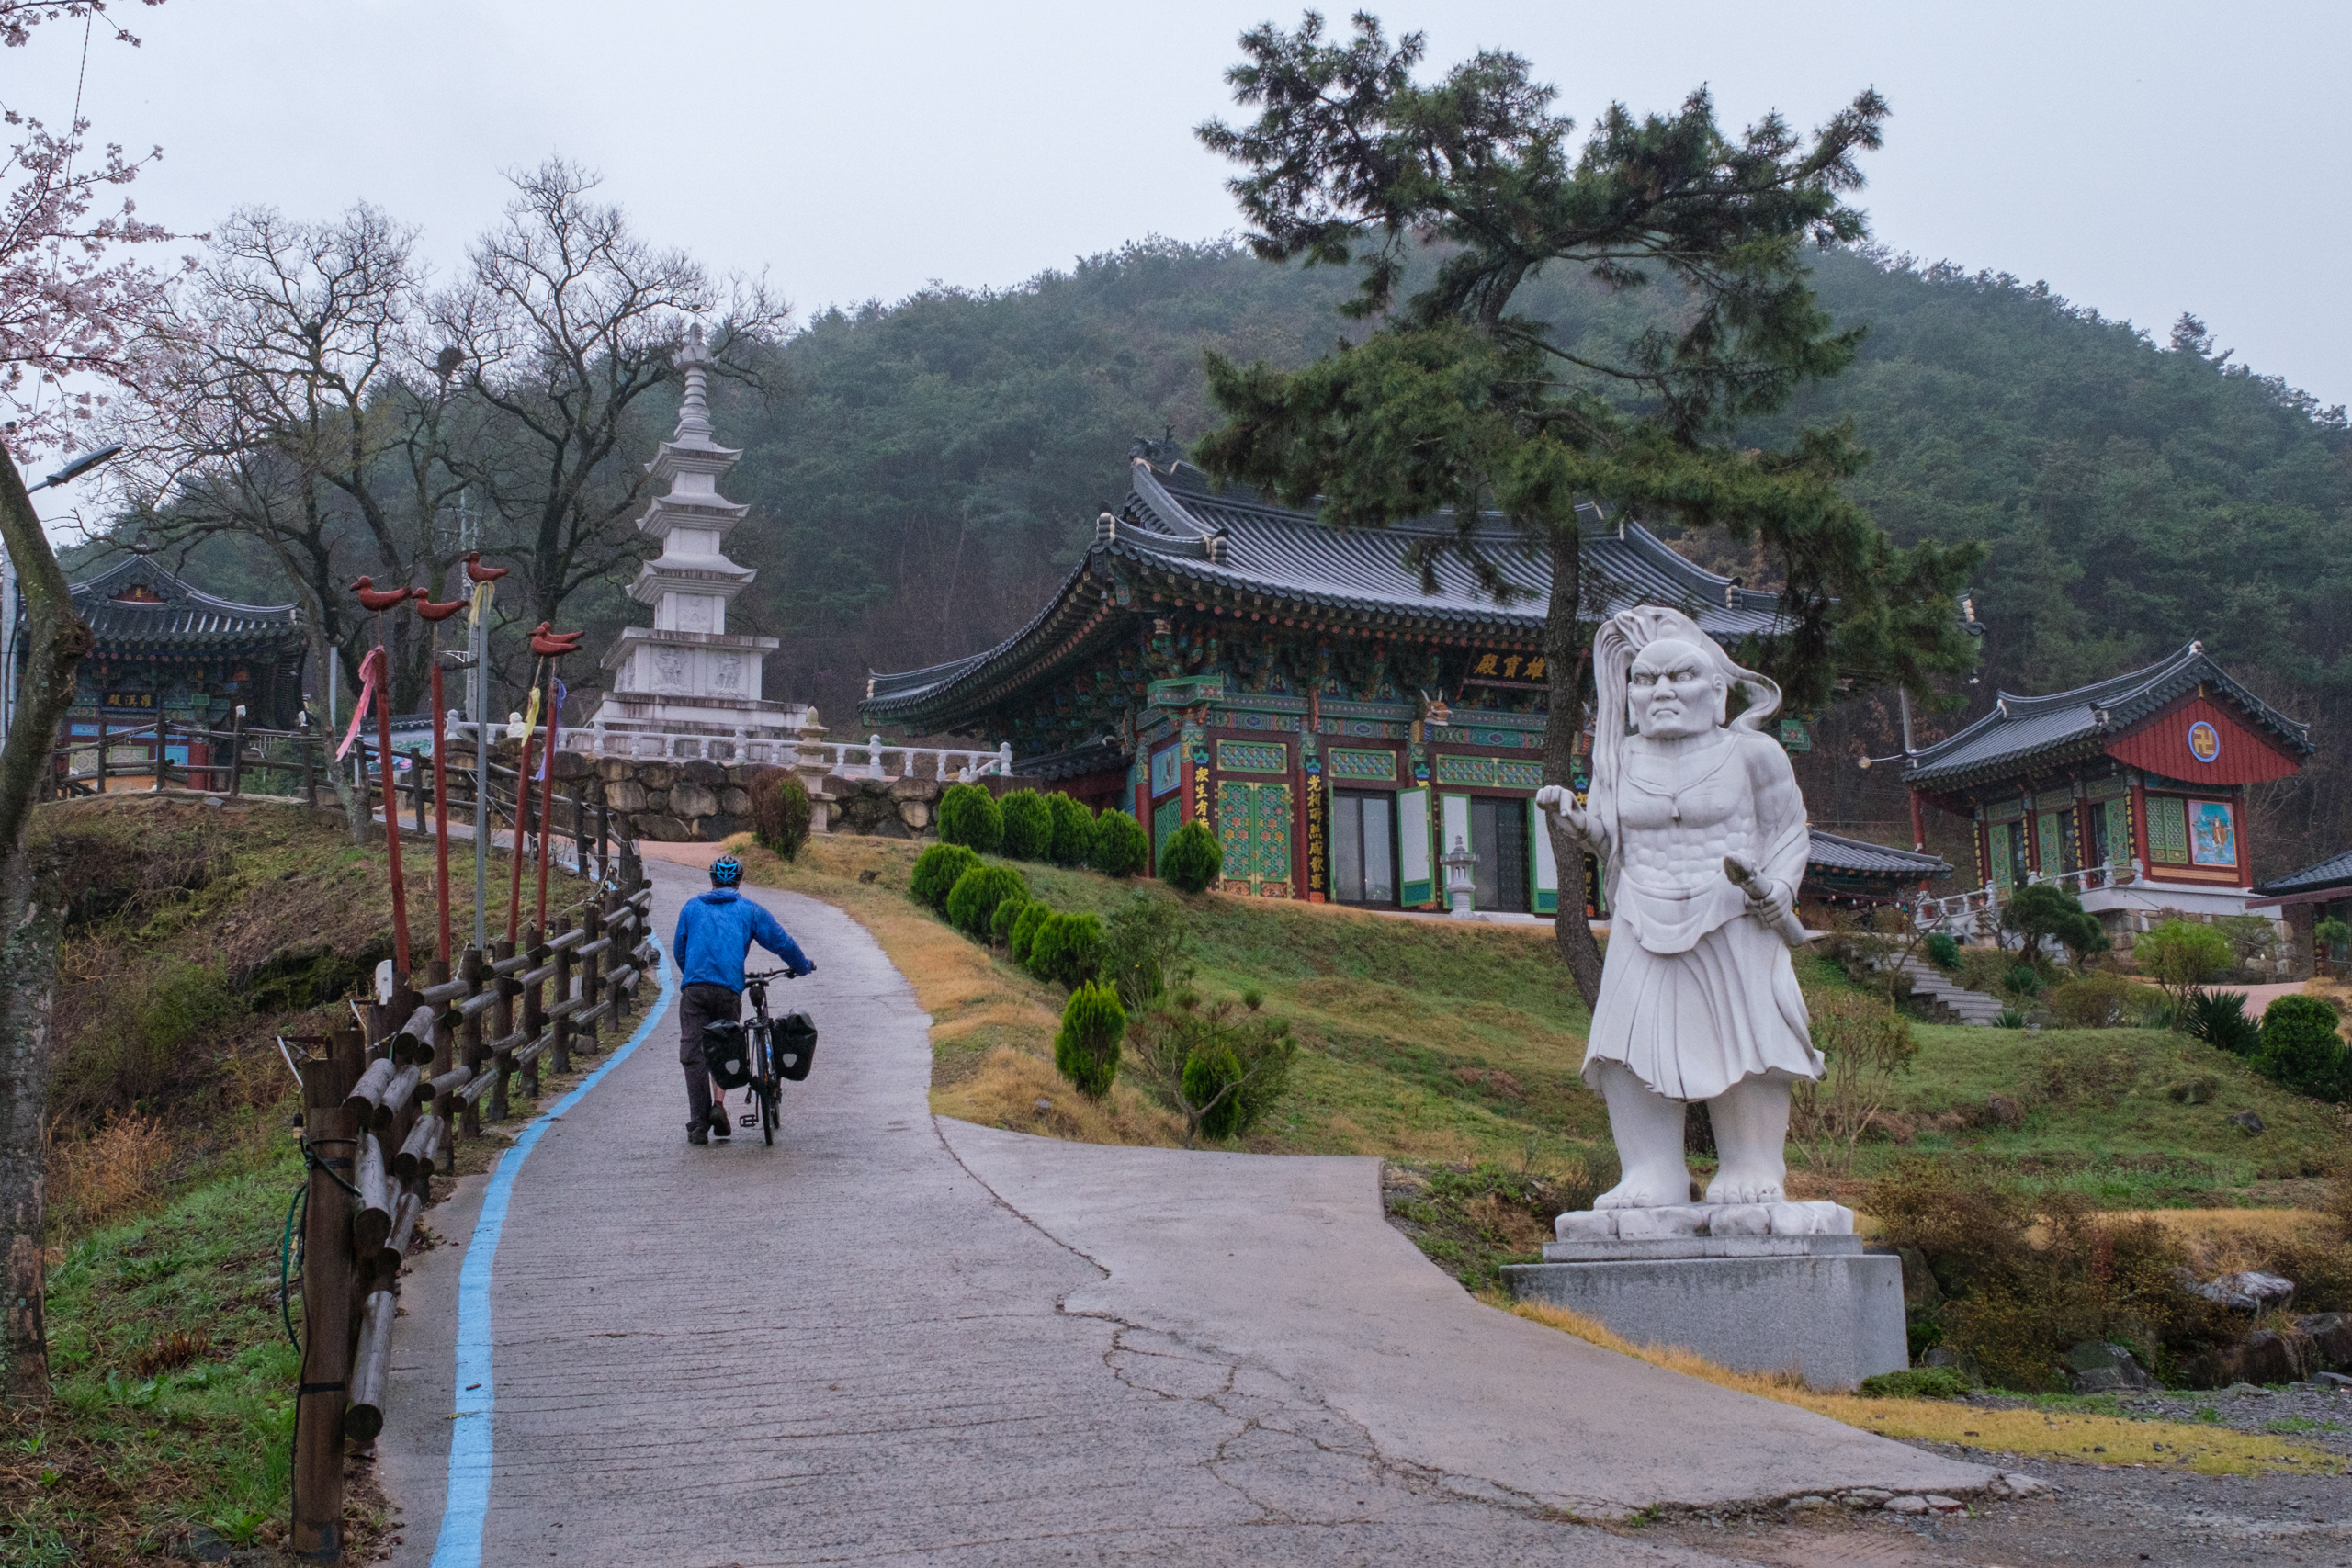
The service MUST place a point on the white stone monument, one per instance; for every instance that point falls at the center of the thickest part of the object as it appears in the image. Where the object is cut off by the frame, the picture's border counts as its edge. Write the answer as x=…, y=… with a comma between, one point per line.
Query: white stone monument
x=1700, y=830
x=687, y=673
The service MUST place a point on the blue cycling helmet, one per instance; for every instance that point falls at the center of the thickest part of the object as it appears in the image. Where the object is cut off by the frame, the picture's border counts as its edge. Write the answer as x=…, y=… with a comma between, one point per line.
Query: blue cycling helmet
x=726, y=872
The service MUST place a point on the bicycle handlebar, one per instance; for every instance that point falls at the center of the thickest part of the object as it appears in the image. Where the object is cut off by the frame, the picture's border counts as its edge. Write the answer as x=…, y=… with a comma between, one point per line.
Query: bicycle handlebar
x=770, y=974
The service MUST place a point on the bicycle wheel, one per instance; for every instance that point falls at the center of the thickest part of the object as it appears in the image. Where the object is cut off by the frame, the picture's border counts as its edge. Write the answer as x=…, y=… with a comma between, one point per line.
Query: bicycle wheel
x=769, y=1086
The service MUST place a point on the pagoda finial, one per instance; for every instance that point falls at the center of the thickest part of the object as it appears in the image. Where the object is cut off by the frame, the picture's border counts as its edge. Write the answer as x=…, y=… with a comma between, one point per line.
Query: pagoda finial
x=693, y=411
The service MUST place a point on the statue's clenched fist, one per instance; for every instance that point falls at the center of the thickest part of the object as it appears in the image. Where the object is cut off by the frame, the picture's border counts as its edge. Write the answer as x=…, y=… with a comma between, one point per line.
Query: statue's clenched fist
x=1562, y=803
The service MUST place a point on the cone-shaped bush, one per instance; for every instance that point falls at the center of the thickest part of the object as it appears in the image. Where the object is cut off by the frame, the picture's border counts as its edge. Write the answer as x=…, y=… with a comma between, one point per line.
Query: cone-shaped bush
x=1008, y=911
x=1025, y=927
x=1207, y=1071
x=1120, y=845
x=1086, y=1051
x=1028, y=826
x=968, y=815
x=936, y=872
x=973, y=900
x=1067, y=949
x=1073, y=829
x=1193, y=858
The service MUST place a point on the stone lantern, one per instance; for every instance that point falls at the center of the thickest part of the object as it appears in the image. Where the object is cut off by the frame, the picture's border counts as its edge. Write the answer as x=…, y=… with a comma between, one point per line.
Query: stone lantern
x=1461, y=893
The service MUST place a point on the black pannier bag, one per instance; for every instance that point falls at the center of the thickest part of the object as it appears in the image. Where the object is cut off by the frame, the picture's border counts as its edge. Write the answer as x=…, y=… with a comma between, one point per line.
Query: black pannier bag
x=796, y=1045
x=726, y=1050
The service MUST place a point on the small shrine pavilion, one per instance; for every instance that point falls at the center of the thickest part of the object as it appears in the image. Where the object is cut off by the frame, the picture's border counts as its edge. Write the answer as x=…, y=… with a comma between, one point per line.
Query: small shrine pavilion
x=2130, y=792
x=1217, y=658
x=166, y=649
x=2304, y=899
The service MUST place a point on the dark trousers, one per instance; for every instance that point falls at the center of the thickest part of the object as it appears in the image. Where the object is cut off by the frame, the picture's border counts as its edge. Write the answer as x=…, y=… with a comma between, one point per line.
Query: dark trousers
x=698, y=1005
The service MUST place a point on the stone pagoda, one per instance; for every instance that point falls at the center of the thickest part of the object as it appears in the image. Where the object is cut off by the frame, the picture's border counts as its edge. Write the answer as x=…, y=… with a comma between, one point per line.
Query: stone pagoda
x=687, y=673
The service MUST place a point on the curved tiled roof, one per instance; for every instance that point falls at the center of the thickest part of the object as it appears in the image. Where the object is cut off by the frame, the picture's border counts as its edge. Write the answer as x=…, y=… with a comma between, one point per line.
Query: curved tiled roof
x=1177, y=537
x=2067, y=725
x=179, y=617
x=2331, y=872
x=1832, y=853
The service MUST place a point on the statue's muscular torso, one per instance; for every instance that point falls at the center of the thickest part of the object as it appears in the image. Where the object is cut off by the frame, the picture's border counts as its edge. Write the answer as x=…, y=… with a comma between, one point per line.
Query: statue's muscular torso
x=1682, y=808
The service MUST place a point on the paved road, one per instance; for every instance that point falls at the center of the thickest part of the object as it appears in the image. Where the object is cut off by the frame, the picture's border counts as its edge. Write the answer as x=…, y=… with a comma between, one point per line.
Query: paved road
x=889, y=1338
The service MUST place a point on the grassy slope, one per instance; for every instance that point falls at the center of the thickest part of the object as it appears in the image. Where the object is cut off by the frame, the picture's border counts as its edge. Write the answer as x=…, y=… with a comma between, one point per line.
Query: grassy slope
x=200, y=933
x=1433, y=1041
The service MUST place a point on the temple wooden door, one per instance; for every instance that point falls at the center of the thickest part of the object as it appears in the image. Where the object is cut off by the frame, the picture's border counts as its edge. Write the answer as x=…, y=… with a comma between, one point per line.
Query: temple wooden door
x=1253, y=822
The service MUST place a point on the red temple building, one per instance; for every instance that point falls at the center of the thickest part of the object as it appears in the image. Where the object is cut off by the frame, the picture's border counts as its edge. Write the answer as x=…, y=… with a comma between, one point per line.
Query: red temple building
x=2129, y=792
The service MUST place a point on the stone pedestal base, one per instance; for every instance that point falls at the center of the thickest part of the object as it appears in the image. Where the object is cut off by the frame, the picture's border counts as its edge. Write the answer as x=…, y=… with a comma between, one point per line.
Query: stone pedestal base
x=1817, y=1305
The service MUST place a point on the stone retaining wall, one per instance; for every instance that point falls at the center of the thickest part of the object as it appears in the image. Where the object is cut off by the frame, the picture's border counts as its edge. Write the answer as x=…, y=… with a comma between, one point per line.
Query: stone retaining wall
x=704, y=802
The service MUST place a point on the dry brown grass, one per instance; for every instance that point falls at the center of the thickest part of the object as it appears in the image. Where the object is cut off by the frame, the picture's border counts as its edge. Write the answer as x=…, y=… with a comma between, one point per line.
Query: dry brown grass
x=2089, y=1439
x=2225, y=1241
x=113, y=1170
x=1023, y=1094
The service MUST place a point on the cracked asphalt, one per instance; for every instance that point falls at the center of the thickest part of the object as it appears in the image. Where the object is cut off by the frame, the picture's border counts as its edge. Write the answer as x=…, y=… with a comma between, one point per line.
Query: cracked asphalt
x=891, y=1338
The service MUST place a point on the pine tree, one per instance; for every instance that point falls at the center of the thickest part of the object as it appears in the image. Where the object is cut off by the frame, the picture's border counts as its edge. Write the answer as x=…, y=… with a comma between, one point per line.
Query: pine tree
x=1455, y=402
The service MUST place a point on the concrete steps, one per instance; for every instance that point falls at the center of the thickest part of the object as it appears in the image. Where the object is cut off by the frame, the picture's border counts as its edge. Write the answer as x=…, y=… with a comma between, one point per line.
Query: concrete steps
x=1959, y=1004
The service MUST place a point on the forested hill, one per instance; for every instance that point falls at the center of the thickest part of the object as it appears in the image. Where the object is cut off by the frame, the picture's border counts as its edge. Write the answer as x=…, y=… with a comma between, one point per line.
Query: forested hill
x=934, y=469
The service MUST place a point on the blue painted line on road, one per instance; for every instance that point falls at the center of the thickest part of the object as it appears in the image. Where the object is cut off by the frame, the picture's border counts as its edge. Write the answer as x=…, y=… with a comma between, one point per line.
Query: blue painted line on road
x=466, y=1507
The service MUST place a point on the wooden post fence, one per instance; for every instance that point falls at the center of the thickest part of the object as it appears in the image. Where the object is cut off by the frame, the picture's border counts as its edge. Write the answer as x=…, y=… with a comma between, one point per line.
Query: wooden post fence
x=382, y=1112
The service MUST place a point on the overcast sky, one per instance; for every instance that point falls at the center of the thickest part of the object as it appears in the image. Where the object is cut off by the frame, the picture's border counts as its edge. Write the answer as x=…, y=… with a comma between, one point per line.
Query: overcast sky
x=2144, y=158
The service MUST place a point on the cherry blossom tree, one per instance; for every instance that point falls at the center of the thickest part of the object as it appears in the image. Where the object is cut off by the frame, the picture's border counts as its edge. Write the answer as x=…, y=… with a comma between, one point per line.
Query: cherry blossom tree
x=72, y=314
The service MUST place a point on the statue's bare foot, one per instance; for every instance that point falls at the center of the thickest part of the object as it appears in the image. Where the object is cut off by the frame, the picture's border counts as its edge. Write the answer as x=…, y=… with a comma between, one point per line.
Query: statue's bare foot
x=1733, y=1185
x=1648, y=1189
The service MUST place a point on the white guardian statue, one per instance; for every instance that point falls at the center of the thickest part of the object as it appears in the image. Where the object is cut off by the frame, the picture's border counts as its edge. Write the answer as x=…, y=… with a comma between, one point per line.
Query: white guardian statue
x=1700, y=830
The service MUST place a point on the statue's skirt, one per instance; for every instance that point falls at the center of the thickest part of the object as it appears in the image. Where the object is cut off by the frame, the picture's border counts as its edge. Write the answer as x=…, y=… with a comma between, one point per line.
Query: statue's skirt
x=1690, y=1024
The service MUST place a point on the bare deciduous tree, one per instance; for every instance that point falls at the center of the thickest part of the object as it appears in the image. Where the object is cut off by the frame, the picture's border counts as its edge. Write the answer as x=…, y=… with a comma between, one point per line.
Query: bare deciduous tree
x=569, y=320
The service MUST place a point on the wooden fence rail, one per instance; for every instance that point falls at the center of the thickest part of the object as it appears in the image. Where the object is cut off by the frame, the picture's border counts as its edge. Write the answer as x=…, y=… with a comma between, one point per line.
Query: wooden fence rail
x=383, y=1111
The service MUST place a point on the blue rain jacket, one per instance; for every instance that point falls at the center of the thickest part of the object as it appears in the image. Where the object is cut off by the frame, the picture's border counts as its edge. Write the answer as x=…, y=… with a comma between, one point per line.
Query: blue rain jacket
x=715, y=934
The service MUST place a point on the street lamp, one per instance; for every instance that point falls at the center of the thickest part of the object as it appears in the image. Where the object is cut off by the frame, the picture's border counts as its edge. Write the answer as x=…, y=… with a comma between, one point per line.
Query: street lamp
x=76, y=466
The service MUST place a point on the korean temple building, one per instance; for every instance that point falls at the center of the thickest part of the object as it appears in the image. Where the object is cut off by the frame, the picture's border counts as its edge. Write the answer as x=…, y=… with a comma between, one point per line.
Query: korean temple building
x=168, y=650
x=2130, y=792
x=2318, y=892
x=1220, y=658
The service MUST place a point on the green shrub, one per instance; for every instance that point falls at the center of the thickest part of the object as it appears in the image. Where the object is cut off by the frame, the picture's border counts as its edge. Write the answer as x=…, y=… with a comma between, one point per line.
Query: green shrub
x=2099, y=1001
x=2009, y=1018
x=1073, y=829
x=1008, y=911
x=2330, y=938
x=1916, y=1383
x=2044, y=909
x=2301, y=1048
x=1943, y=952
x=2024, y=981
x=936, y=872
x=1984, y=968
x=1142, y=946
x=973, y=900
x=1121, y=846
x=780, y=811
x=1221, y=1066
x=1213, y=1080
x=2218, y=1018
x=2181, y=955
x=1191, y=859
x=1067, y=949
x=1086, y=1050
x=1028, y=825
x=968, y=815
x=1025, y=927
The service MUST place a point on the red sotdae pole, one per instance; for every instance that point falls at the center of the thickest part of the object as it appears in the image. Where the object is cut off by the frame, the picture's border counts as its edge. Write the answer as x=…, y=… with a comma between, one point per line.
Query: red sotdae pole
x=522, y=821
x=433, y=616
x=547, y=797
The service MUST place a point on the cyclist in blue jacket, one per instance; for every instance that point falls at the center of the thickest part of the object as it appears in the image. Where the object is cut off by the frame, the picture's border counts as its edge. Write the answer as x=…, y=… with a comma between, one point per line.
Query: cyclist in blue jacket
x=715, y=934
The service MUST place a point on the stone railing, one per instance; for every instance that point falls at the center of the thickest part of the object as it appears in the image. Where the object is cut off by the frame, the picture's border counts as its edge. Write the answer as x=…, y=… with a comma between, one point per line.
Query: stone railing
x=867, y=758
x=1959, y=913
